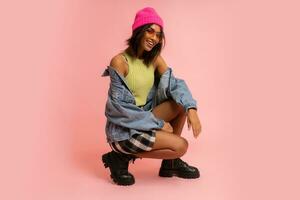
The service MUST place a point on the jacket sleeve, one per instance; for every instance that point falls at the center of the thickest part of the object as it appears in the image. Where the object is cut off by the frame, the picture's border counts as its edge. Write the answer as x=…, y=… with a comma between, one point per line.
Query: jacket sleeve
x=131, y=116
x=179, y=92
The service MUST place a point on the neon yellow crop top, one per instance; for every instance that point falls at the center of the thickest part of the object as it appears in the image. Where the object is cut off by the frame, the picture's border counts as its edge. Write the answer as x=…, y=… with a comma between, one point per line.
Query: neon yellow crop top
x=139, y=79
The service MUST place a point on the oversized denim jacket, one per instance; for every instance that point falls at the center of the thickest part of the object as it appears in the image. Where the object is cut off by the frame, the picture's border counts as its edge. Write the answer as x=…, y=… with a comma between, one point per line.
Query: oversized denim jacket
x=125, y=119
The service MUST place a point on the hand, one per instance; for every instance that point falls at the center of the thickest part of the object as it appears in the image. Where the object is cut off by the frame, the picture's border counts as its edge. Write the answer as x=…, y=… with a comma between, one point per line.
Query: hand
x=167, y=127
x=194, y=122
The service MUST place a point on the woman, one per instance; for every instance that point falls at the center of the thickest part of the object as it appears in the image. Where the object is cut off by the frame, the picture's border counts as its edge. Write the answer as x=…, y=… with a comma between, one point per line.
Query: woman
x=147, y=106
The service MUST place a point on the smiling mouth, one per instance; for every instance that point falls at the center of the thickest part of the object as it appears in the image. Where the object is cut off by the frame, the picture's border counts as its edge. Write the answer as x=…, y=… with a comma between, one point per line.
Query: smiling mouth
x=150, y=44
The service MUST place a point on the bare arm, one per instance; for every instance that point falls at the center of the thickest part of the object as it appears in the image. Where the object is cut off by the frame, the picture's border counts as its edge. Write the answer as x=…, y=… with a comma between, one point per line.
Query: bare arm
x=119, y=64
x=160, y=65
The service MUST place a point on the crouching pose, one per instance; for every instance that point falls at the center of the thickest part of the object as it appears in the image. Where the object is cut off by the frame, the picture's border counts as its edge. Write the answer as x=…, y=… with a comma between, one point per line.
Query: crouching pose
x=147, y=106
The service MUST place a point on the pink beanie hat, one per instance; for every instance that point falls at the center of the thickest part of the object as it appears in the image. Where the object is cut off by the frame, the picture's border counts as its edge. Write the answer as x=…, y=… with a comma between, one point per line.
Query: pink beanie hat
x=147, y=15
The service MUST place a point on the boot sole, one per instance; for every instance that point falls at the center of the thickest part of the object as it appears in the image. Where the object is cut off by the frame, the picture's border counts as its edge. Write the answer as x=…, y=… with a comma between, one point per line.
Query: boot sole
x=115, y=180
x=171, y=173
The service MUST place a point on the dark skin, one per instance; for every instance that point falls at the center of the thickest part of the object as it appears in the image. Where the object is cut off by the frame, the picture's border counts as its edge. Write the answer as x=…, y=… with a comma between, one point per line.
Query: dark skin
x=168, y=144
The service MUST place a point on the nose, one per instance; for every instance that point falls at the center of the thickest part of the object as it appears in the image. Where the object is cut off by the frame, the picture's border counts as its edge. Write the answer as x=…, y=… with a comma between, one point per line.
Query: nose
x=155, y=37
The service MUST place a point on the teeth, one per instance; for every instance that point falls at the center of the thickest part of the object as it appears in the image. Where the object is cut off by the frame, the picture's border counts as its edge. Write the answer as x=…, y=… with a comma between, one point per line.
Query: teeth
x=151, y=44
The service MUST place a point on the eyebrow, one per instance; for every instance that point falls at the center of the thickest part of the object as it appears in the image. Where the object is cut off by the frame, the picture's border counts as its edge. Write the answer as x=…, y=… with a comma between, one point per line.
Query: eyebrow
x=154, y=30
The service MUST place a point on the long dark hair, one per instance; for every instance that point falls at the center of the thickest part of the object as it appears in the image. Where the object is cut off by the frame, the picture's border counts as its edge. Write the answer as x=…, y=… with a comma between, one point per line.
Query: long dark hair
x=134, y=41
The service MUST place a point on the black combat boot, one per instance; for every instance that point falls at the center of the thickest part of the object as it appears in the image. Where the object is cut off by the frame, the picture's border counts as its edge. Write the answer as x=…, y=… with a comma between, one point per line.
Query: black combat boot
x=177, y=167
x=118, y=166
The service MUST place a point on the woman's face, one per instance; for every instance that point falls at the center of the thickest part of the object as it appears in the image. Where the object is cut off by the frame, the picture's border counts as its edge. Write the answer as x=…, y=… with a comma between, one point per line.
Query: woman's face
x=151, y=37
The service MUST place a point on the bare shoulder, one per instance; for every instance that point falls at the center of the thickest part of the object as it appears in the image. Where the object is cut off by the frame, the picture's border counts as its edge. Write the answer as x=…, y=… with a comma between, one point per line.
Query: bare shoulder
x=160, y=65
x=118, y=62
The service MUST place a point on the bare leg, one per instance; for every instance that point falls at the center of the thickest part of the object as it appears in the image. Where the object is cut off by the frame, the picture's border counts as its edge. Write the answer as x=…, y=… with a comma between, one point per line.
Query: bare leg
x=171, y=112
x=178, y=122
x=168, y=145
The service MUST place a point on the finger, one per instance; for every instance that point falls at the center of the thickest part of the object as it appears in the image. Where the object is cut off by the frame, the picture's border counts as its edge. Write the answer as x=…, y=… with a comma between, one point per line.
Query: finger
x=196, y=134
x=169, y=130
x=170, y=127
x=199, y=131
x=194, y=131
x=200, y=128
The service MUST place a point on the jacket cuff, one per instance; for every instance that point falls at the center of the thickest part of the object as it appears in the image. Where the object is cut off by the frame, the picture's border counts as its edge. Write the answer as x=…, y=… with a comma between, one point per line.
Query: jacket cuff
x=187, y=107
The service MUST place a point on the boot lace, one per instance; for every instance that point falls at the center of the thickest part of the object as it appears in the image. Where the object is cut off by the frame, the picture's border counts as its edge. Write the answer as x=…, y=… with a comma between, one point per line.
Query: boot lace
x=181, y=163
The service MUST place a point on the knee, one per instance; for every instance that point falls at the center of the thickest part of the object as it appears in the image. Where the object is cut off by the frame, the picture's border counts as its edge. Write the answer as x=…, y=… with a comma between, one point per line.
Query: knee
x=182, y=147
x=179, y=108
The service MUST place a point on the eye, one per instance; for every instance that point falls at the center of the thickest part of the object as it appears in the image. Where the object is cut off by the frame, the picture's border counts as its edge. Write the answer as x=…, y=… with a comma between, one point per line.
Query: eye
x=150, y=30
x=159, y=35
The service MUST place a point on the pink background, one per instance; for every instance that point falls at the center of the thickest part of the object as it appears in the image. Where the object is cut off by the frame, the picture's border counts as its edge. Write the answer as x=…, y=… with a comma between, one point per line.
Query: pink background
x=239, y=58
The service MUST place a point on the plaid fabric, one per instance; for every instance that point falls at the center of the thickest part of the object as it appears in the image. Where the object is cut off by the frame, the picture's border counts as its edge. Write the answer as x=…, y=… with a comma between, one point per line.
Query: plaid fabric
x=136, y=144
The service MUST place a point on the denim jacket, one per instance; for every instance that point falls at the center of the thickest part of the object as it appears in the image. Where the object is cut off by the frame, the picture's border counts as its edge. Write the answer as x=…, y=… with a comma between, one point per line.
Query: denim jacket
x=125, y=119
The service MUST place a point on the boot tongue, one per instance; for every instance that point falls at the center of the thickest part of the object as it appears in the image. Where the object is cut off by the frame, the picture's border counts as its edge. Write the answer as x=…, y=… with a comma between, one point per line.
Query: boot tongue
x=180, y=163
